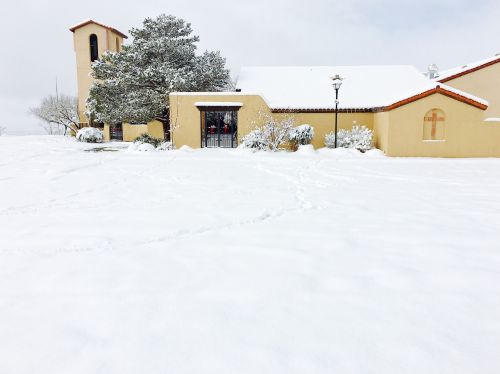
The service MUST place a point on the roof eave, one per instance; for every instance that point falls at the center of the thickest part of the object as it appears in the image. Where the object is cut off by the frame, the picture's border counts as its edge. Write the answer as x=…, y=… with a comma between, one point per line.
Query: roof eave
x=468, y=71
x=439, y=90
x=325, y=110
x=85, y=23
x=411, y=99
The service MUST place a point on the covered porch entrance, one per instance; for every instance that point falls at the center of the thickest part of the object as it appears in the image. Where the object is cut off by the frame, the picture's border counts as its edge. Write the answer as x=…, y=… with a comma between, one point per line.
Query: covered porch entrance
x=219, y=125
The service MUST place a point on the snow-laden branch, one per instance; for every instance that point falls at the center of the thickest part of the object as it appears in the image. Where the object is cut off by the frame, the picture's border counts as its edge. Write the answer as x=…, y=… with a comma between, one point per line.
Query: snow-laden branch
x=58, y=114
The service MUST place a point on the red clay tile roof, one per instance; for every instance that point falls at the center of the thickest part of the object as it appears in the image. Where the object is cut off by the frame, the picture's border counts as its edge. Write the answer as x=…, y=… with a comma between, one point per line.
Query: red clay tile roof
x=442, y=91
x=84, y=23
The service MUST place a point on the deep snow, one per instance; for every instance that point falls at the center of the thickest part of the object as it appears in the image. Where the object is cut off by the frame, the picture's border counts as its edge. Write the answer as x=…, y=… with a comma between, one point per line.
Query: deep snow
x=225, y=261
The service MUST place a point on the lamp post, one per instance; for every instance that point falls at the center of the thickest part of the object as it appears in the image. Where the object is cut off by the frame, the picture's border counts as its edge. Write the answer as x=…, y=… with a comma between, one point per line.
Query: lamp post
x=337, y=82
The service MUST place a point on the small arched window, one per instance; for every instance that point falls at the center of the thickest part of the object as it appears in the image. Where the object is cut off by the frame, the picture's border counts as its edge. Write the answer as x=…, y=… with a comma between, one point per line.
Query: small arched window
x=117, y=45
x=94, y=48
x=434, y=122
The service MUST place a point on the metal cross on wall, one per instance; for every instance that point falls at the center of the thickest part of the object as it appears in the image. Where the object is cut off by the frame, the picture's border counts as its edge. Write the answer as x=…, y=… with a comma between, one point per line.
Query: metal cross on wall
x=434, y=119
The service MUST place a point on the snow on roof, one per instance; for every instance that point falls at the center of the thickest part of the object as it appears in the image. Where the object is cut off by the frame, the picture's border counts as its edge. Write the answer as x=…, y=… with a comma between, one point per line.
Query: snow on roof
x=446, y=91
x=449, y=74
x=464, y=94
x=363, y=87
x=88, y=21
x=218, y=103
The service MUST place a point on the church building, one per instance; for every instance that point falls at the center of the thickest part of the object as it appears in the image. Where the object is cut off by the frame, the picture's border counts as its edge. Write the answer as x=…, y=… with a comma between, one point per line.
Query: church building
x=453, y=113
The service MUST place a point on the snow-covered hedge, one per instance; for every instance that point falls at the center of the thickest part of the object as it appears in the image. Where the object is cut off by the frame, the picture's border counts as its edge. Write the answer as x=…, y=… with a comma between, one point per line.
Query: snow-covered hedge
x=90, y=135
x=359, y=137
x=301, y=135
x=148, y=139
x=148, y=143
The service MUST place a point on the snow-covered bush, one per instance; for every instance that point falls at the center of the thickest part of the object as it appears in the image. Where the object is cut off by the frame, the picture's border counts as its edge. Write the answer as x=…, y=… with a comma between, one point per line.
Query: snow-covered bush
x=148, y=139
x=255, y=140
x=165, y=146
x=271, y=136
x=359, y=137
x=146, y=142
x=301, y=135
x=89, y=135
x=146, y=147
x=276, y=132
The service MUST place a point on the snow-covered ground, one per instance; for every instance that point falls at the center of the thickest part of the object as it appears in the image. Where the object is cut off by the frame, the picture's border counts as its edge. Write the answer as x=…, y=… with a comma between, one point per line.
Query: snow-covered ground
x=223, y=261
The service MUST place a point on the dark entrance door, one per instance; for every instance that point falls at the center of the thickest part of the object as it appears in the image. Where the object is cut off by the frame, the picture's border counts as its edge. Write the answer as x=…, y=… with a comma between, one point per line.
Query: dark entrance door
x=116, y=132
x=219, y=129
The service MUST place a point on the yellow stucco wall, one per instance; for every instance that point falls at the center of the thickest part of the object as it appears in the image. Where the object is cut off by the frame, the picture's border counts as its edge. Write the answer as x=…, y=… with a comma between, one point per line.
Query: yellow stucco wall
x=324, y=123
x=131, y=132
x=185, y=117
x=484, y=83
x=106, y=133
x=106, y=41
x=398, y=132
x=381, y=130
x=155, y=129
x=466, y=135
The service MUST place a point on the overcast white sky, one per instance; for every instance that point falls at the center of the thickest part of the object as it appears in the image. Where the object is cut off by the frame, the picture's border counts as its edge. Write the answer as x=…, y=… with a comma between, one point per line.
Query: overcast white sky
x=37, y=46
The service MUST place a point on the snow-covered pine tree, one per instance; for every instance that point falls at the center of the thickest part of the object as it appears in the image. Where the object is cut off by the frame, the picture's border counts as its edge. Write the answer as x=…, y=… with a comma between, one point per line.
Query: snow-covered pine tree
x=133, y=85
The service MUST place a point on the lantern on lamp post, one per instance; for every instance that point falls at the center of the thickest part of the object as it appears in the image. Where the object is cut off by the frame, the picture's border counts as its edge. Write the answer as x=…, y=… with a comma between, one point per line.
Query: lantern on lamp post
x=336, y=83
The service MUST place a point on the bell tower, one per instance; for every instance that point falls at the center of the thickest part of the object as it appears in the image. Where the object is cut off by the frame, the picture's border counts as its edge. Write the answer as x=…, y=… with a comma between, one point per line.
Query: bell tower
x=91, y=39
